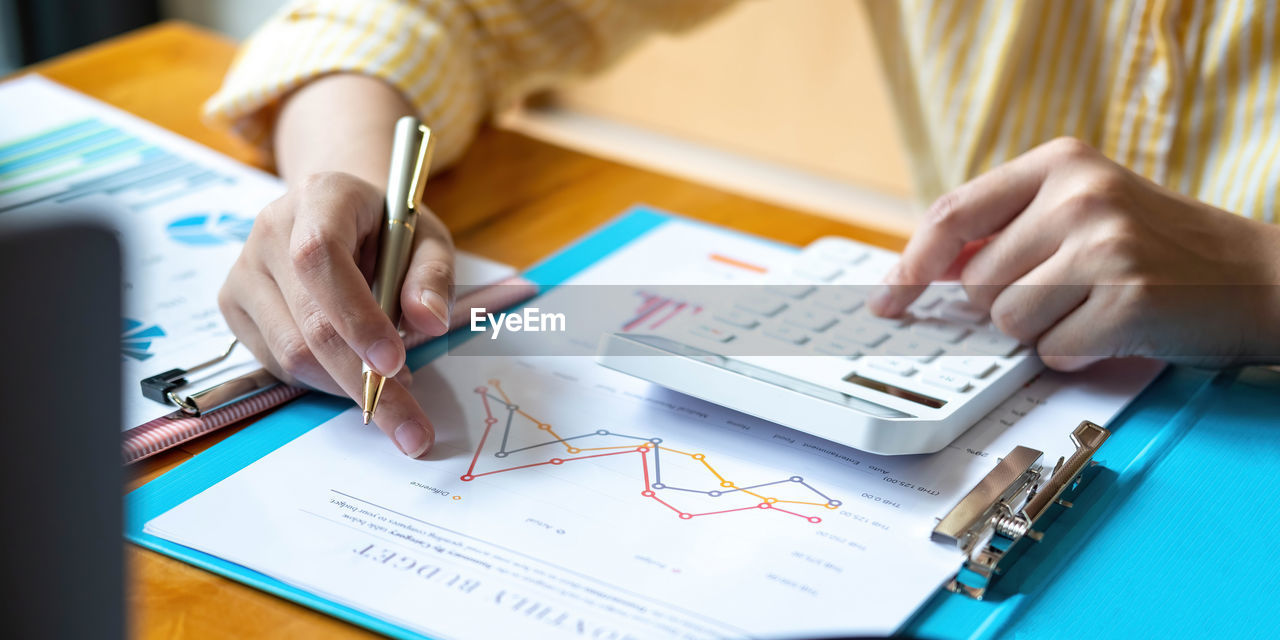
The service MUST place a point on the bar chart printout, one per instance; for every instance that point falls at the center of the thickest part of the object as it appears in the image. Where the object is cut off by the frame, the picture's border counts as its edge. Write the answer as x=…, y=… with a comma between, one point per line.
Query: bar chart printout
x=181, y=212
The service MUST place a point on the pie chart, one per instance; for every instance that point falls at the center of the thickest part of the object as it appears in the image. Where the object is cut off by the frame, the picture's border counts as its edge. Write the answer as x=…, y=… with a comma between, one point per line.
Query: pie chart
x=136, y=338
x=210, y=229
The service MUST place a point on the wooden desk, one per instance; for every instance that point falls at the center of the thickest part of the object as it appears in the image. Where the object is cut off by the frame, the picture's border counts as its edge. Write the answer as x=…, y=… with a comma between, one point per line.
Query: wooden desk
x=512, y=198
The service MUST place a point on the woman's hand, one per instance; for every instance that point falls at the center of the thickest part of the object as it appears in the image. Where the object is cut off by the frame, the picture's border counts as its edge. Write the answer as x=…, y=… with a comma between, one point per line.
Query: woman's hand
x=298, y=297
x=299, y=294
x=1086, y=260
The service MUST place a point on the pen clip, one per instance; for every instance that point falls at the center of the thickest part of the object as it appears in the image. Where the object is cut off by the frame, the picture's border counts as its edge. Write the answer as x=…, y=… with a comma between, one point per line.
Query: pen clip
x=411, y=153
x=422, y=165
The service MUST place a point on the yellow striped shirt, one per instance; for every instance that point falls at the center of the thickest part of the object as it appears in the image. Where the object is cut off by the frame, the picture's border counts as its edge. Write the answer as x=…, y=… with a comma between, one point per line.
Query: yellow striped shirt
x=1182, y=91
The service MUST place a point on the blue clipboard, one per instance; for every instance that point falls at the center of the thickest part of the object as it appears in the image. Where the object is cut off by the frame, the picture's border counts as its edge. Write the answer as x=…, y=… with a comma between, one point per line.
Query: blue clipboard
x=1143, y=435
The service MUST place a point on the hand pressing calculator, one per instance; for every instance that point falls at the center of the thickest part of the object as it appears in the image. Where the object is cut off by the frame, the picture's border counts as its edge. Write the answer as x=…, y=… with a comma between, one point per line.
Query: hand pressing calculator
x=802, y=349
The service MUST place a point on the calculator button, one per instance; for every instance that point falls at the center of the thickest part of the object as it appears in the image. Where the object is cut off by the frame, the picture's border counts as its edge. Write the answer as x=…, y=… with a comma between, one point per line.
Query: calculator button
x=898, y=366
x=787, y=333
x=929, y=299
x=818, y=270
x=873, y=269
x=896, y=322
x=761, y=304
x=971, y=366
x=907, y=346
x=712, y=332
x=793, y=291
x=862, y=334
x=962, y=311
x=839, y=299
x=810, y=319
x=948, y=381
x=938, y=330
x=989, y=343
x=842, y=252
x=737, y=318
x=835, y=347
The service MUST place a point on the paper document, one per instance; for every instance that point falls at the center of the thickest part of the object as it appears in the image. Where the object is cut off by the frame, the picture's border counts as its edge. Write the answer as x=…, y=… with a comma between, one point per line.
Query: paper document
x=565, y=500
x=182, y=212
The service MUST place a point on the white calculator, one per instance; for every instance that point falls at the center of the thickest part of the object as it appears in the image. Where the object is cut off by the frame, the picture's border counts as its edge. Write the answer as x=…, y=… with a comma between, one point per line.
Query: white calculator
x=801, y=348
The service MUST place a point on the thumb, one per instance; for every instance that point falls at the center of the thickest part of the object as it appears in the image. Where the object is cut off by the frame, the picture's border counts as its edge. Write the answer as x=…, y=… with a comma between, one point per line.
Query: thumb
x=426, y=299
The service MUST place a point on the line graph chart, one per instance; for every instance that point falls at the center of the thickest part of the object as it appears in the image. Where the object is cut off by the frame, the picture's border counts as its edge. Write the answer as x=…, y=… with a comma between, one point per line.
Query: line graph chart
x=514, y=440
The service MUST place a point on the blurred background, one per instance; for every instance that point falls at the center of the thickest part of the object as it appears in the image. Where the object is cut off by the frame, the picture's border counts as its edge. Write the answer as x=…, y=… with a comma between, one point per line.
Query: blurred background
x=781, y=100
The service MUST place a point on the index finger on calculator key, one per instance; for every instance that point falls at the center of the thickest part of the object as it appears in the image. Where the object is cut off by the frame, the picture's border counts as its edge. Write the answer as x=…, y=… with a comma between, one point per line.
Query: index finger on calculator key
x=971, y=212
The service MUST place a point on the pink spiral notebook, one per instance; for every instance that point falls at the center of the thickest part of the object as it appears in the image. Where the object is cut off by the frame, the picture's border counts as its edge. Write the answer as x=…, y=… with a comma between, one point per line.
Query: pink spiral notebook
x=163, y=433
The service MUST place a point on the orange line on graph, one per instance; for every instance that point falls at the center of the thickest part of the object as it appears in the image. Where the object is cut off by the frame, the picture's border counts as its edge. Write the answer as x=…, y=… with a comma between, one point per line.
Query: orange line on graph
x=644, y=447
x=711, y=469
x=734, y=262
x=683, y=453
x=497, y=386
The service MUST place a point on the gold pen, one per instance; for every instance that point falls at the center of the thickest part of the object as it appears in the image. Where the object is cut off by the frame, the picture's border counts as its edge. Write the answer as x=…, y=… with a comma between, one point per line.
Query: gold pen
x=410, y=162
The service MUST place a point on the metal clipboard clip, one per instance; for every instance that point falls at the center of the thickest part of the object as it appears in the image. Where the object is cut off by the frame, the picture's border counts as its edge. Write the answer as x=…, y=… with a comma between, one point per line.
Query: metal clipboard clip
x=1010, y=509
x=165, y=387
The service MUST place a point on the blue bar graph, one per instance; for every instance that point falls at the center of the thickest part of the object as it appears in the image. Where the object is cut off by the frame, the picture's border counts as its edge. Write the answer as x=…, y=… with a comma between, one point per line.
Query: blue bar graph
x=91, y=157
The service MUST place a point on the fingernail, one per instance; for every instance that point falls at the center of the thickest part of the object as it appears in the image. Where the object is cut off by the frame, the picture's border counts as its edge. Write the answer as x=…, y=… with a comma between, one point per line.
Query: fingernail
x=385, y=357
x=412, y=439
x=880, y=299
x=881, y=295
x=438, y=305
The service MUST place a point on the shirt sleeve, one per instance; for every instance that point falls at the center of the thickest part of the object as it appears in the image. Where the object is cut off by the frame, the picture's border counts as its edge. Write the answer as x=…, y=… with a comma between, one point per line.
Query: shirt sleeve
x=456, y=61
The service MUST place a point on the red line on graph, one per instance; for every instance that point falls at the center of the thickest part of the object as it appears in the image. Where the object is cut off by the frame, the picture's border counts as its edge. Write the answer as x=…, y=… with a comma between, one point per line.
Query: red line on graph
x=644, y=316
x=488, y=424
x=712, y=513
x=798, y=515
x=664, y=503
x=644, y=462
x=650, y=302
x=667, y=317
x=649, y=299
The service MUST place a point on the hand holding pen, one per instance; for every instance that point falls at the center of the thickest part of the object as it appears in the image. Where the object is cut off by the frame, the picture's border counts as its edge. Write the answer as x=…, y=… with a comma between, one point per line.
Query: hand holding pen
x=299, y=296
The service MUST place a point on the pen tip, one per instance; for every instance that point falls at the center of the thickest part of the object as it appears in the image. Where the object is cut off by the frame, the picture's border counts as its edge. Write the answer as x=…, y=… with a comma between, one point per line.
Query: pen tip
x=368, y=415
